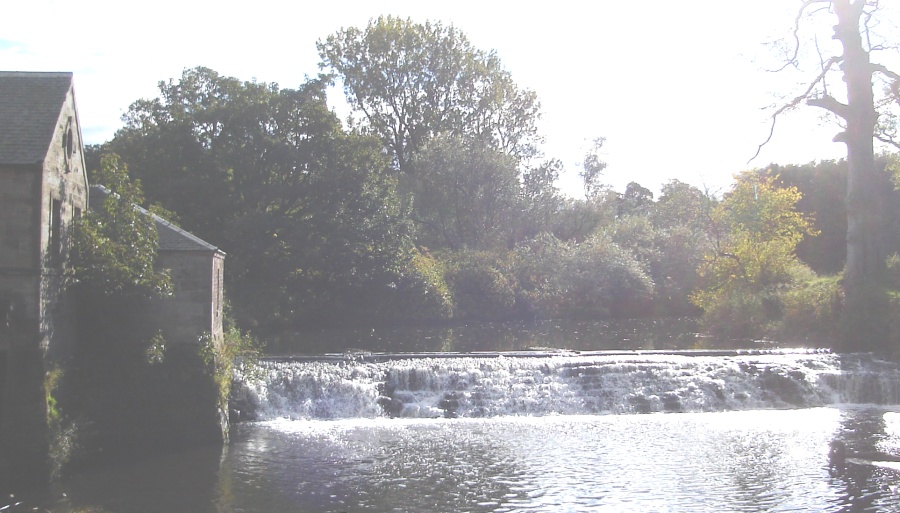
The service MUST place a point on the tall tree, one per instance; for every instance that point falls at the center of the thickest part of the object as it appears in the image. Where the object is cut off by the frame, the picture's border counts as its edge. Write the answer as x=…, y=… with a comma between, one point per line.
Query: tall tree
x=680, y=219
x=754, y=232
x=592, y=168
x=306, y=212
x=824, y=189
x=464, y=193
x=851, y=65
x=540, y=201
x=411, y=81
x=636, y=200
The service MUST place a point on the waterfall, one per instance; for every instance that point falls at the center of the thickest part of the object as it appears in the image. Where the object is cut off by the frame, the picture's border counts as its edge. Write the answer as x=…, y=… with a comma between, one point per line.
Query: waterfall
x=495, y=384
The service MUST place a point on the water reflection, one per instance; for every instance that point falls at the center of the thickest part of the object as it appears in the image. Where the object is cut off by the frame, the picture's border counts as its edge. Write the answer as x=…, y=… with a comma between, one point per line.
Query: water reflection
x=350, y=466
x=680, y=333
x=751, y=461
x=867, y=487
x=187, y=481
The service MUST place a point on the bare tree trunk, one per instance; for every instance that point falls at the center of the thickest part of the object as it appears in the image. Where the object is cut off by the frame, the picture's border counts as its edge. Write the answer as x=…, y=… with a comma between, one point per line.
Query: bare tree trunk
x=865, y=254
x=866, y=313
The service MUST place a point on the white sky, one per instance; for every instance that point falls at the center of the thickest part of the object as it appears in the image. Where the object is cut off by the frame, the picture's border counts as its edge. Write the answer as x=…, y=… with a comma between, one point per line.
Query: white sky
x=677, y=87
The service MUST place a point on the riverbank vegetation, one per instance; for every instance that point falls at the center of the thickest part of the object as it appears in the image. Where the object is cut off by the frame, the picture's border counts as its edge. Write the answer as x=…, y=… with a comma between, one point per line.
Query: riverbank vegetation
x=433, y=203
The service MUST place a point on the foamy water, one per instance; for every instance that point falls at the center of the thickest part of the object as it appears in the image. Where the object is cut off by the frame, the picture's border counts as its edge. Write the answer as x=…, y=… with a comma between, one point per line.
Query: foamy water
x=499, y=385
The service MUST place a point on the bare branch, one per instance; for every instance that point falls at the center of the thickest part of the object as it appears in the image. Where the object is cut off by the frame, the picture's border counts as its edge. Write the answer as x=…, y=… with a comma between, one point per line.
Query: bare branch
x=792, y=61
x=879, y=68
x=805, y=96
x=868, y=19
x=888, y=139
x=822, y=64
x=830, y=104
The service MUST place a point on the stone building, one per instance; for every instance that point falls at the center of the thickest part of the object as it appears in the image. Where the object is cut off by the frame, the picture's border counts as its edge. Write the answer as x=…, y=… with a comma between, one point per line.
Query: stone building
x=43, y=189
x=196, y=268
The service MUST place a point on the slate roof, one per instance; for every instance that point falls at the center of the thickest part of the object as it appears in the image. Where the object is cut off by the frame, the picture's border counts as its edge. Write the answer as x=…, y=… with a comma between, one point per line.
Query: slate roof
x=171, y=237
x=30, y=103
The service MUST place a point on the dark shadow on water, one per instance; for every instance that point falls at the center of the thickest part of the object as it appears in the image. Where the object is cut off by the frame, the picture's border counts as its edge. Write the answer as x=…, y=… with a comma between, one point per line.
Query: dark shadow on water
x=183, y=481
x=643, y=334
x=866, y=487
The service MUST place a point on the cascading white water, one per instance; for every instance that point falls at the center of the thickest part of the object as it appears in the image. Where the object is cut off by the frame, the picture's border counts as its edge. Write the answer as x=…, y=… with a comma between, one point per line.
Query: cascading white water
x=499, y=385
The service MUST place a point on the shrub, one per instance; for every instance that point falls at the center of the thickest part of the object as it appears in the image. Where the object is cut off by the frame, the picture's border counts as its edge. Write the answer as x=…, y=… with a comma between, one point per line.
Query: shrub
x=419, y=292
x=811, y=309
x=482, y=284
x=593, y=279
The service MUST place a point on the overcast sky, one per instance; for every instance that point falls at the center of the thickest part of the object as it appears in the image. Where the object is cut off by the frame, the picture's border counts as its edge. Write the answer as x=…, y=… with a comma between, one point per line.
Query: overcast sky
x=678, y=88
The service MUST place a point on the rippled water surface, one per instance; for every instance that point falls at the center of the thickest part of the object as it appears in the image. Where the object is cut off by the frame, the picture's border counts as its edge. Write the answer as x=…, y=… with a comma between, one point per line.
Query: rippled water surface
x=740, y=461
x=683, y=462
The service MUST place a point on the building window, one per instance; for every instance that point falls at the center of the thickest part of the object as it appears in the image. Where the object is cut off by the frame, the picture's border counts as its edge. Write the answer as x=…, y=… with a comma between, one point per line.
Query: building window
x=68, y=145
x=55, y=229
x=219, y=292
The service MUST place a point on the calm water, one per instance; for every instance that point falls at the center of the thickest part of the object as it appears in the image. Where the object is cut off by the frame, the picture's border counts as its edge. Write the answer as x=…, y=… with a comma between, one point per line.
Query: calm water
x=659, y=334
x=745, y=461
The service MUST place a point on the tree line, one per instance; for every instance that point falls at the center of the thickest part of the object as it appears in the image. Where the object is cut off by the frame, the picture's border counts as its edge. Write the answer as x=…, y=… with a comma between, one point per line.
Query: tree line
x=433, y=202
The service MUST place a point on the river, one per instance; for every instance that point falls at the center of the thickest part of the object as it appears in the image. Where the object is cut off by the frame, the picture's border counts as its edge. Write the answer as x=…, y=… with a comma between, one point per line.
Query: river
x=552, y=430
x=749, y=461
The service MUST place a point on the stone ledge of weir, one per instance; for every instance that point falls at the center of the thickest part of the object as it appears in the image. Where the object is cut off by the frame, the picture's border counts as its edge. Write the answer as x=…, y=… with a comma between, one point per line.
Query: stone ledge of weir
x=371, y=357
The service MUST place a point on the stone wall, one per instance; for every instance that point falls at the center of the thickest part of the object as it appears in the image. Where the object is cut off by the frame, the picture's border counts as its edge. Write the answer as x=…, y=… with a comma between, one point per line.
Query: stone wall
x=38, y=208
x=19, y=246
x=195, y=308
x=65, y=197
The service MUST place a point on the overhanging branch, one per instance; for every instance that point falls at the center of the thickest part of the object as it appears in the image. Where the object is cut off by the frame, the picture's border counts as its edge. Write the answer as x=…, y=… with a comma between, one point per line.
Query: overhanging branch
x=805, y=96
x=792, y=61
x=830, y=104
x=880, y=68
x=888, y=139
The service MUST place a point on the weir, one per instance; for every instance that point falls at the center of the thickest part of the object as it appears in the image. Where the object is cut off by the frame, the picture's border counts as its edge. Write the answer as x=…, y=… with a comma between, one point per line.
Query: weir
x=556, y=382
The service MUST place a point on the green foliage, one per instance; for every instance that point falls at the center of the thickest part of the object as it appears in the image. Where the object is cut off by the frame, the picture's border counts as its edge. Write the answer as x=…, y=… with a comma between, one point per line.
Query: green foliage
x=419, y=293
x=576, y=220
x=892, y=168
x=220, y=356
x=549, y=278
x=892, y=271
x=539, y=202
x=823, y=186
x=412, y=81
x=115, y=244
x=156, y=349
x=62, y=429
x=603, y=279
x=483, y=285
x=307, y=212
x=755, y=231
x=464, y=194
x=592, y=168
x=668, y=237
x=682, y=204
x=811, y=310
x=635, y=201
x=51, y=381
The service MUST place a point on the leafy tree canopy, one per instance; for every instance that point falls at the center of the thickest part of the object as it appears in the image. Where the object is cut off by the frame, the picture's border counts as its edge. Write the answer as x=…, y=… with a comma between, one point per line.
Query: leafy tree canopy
x=115, y=242
x=411, y=81
x=305, y=210
x=755, y=230
x=464, y=193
